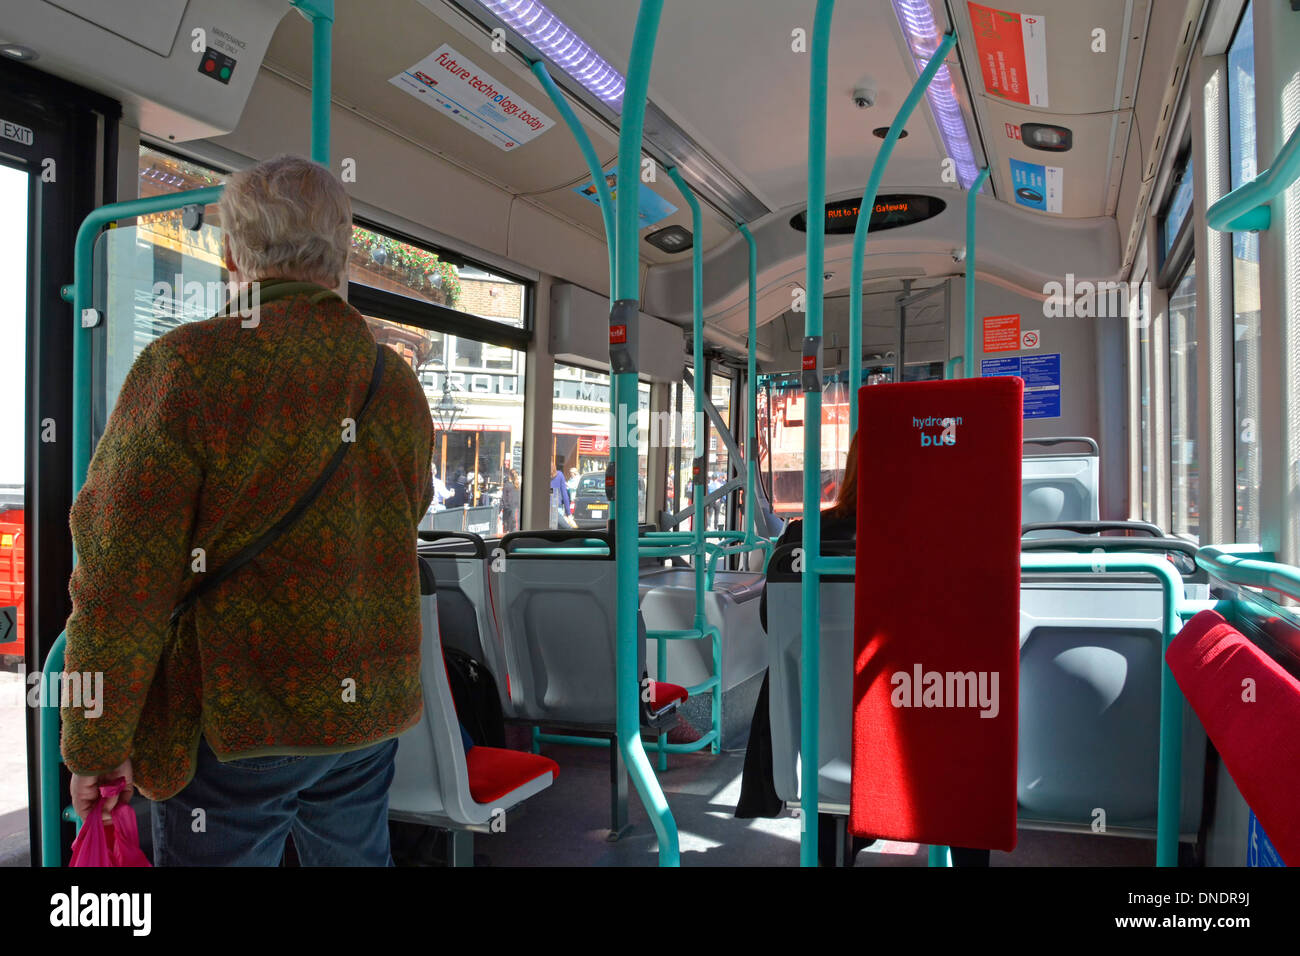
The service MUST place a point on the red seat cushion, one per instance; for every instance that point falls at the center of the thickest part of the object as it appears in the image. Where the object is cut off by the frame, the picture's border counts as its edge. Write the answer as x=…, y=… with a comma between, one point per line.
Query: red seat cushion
x=937, y=603
x=662, y=694
x=494, y=772
x=1250, y=708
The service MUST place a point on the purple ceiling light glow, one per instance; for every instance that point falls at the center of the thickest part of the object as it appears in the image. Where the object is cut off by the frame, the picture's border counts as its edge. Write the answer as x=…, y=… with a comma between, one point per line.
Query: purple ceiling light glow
x=555, y=40
x=922, y=35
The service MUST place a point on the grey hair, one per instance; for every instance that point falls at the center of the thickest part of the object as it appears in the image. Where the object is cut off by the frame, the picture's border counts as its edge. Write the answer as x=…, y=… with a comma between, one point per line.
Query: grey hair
x=289, y=218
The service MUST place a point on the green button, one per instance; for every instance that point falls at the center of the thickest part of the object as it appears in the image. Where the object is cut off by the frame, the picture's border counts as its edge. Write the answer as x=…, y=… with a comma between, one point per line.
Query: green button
x=225, y=72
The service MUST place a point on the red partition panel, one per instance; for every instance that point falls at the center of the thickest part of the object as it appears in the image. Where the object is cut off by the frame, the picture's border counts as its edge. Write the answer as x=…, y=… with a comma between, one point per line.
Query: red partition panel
x=1250, y=708
x=937, y=646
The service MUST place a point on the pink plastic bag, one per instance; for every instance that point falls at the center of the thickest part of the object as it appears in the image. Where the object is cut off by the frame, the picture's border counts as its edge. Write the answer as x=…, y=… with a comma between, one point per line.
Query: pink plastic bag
x=117, y=844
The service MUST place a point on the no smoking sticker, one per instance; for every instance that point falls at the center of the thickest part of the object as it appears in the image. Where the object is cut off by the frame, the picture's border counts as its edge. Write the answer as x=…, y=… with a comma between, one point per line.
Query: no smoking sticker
x=1029, y=339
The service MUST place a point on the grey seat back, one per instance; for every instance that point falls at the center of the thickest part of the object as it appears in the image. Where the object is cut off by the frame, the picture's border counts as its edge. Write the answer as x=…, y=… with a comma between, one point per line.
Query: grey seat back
x=460, y=562
x=1060, y=487
x=785, y=646
x=1090, y=671
x=558, y=626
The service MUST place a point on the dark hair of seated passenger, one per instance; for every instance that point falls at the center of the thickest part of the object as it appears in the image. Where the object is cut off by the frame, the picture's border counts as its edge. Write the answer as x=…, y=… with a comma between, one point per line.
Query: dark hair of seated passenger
x=846, y=504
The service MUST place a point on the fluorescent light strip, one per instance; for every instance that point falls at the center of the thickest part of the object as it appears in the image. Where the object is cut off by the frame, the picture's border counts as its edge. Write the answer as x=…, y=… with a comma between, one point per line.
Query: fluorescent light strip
x=922, y=34
x=562, y=46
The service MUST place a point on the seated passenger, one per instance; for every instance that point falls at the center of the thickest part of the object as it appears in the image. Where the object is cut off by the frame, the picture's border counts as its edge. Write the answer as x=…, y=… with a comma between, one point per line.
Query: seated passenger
x=273, y=704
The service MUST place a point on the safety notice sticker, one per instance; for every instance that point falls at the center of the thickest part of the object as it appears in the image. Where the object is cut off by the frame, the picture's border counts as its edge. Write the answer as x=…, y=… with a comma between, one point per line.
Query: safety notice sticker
x=1001, y=333
x=1042, y=378
x=1012, y=50
x=455, y=87
x=1037, y=186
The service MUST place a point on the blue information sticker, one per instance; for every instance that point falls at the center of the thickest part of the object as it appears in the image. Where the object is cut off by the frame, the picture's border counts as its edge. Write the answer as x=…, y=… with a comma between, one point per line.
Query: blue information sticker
x=1260, y=850
x=1029, y=180
x=1042, y=378
x=651, y=207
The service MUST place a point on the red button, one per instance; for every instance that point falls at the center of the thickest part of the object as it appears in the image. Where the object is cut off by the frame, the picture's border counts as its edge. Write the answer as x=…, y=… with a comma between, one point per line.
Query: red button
x=209, y=65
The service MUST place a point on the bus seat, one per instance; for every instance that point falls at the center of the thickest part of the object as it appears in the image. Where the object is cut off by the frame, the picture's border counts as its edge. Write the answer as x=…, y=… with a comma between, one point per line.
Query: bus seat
x=1060, y=487
x=557, y=616
x=668, y=603
x=784, y=641
x=1214, y=664
x=558, y=626
x=1089, y=728
x=460, y=563
x=436, y=782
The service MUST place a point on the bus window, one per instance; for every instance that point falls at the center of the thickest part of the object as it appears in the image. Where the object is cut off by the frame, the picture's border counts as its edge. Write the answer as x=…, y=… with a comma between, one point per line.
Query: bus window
x=1184, y=468
x=580, y=436
x=1245, y=279
x=781, y=416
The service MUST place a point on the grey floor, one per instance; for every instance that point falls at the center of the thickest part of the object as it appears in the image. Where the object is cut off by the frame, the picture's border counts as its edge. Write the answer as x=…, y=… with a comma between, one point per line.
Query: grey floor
x=567, y=825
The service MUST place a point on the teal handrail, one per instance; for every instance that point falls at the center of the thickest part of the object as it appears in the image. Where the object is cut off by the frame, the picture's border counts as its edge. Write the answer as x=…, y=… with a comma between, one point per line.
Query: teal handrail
x=603, y=195
x=654, y=544
x=1246, y=208
x=810, y=593
x=700, y=623
x=969, y=368
x=624, y=395
x=1250, y=572
x=864, y=220
x=752, y=539
x=1169, y=786
x=321, y=14
x=751, y=386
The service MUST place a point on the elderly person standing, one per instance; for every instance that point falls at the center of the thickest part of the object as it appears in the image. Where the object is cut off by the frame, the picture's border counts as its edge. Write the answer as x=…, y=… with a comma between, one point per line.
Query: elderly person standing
x=270, y=703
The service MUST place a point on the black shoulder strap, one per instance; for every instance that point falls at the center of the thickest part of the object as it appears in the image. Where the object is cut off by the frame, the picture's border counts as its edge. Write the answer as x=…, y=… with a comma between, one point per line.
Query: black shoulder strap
x=246, y=554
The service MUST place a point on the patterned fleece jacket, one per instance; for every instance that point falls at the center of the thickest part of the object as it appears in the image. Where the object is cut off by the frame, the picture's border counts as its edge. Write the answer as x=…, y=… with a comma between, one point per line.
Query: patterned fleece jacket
x=314, y=646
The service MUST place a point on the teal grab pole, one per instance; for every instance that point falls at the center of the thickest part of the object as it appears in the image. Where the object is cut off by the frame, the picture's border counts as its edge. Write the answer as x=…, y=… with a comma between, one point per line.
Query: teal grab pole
x=969, y=369
x=864, y=220
x=1246, y=208
x=624, y=395
x=51, y=792
x=1169, y=787
x=594, y=167
x=950, y=367
x=701, y=431
x=751, y=389
x=321, y=15
x=697, y=346
x=1250, y=572
x=812, y=437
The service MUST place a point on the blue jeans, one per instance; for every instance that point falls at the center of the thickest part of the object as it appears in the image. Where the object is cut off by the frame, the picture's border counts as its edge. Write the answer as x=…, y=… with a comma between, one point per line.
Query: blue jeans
x=335, y=805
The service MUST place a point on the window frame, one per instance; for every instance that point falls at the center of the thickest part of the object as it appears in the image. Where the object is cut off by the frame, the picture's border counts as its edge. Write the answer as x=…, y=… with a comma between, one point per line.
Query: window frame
x=1174, y=262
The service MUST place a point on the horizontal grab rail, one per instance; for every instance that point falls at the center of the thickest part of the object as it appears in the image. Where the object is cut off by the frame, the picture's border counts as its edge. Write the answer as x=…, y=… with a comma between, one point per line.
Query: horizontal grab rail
x=1246, y=208
x=1250, y=572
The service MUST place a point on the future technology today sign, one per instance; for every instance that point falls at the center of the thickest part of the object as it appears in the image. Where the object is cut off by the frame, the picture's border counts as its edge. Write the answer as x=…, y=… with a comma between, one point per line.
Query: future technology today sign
x=449, y=83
